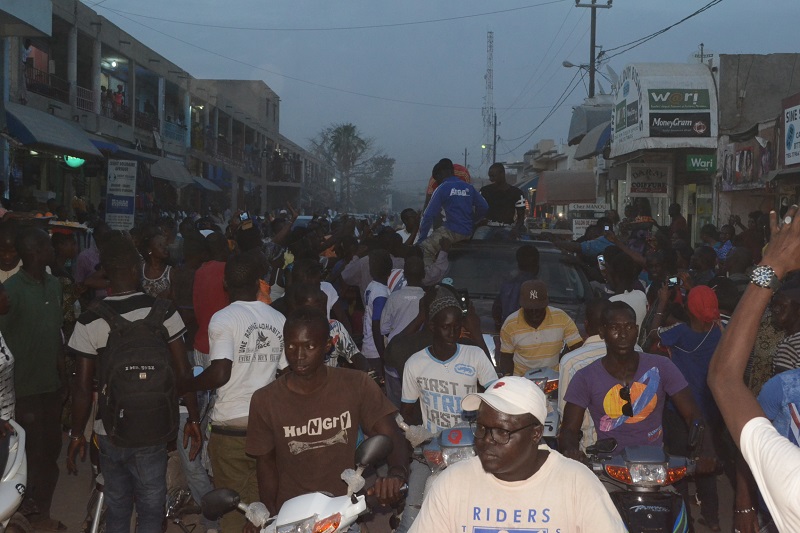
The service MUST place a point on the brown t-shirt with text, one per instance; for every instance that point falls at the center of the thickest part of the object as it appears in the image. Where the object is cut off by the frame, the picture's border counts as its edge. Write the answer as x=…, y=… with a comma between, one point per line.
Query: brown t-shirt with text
x=314, y=435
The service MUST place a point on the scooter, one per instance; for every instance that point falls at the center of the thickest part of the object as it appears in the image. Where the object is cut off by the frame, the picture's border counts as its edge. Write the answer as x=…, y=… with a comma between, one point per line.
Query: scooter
x=547, y=380
x=315, y=512
x=641, y=475
x=14, y=466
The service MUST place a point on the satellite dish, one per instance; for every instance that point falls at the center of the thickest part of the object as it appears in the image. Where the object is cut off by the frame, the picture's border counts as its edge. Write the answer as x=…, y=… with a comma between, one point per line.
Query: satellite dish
x=602, y=90
x=613, y=75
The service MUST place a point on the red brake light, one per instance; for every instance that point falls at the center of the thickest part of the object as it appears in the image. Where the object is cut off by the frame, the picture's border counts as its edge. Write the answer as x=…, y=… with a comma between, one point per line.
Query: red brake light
x=675, y=474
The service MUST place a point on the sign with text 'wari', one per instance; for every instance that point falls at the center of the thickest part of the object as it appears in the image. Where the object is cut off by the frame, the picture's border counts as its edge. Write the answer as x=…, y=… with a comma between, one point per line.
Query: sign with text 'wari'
x=121, y=194
x=701, y=163
x=679, y=99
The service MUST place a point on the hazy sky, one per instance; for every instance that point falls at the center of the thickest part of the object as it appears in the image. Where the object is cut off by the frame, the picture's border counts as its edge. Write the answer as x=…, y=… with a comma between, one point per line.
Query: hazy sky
x=440, y=63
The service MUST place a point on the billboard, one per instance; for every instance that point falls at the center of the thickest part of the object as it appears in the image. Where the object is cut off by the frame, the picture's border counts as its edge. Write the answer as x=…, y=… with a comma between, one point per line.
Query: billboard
x=121, y=194
x=664, y=106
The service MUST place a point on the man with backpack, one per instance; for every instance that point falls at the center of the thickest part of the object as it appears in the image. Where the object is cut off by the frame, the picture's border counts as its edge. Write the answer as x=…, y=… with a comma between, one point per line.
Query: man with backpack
x=133, y=344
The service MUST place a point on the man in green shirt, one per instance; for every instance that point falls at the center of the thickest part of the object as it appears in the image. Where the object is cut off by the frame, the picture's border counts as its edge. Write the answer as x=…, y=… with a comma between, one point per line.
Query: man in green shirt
x=32, y=330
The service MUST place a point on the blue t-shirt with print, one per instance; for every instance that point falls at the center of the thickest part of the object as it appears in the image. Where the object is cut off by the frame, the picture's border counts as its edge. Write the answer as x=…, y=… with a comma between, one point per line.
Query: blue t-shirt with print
x=780, y=400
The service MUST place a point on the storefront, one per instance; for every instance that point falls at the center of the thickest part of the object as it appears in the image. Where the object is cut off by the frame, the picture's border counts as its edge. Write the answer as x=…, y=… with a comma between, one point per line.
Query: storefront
x=664, y=141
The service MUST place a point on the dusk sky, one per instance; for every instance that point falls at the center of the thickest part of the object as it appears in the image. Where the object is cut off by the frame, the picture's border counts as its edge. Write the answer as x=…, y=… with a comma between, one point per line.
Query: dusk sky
x=420, y=78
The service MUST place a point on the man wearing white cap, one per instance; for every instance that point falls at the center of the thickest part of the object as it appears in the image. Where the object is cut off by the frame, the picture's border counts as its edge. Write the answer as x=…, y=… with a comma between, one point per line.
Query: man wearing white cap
x=514, y=483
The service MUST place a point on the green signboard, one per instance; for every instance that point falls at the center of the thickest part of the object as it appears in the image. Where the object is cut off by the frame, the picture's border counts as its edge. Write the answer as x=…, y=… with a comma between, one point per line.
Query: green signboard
x=701, y=163
x=679, y=99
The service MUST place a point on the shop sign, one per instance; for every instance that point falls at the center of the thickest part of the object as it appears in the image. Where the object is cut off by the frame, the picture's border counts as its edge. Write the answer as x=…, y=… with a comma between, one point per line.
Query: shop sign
x=679, y=99
x=701, y=163
x=579, y=226
x=792, y=139
x=121, y=194
x=651, y=181
x=680, y=124
x=589, y=207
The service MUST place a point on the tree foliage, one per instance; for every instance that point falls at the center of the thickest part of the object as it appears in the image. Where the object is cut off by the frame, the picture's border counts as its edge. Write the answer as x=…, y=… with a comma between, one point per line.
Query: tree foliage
x=347, y=150
x=372, y=183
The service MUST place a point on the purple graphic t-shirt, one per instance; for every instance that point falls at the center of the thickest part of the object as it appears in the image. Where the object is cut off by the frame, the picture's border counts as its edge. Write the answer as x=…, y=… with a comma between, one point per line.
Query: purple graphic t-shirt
x=593, y=388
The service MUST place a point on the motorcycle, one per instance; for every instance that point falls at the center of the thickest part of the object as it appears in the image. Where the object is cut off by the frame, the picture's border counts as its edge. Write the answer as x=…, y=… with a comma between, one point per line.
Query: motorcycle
x=641, y=475
x=547, y=380
x=315, y=512
x=13, y=463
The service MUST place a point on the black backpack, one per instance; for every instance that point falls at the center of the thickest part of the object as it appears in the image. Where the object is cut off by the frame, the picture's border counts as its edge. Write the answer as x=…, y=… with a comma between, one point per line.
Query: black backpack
x=137, y=399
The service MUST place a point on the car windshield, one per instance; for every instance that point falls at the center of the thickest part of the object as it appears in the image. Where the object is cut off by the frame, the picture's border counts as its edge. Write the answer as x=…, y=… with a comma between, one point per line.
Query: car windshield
x=481, y=272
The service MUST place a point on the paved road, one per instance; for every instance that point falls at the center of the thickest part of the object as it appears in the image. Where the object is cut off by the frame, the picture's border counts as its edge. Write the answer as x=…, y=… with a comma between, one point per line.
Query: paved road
x=72, y=494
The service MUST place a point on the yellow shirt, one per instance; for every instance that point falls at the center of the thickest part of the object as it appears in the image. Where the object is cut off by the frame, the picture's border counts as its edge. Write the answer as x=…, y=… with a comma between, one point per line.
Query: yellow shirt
x=537, y=347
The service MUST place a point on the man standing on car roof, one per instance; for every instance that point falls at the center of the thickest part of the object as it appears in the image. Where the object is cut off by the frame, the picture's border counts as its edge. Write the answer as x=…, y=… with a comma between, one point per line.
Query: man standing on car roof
x=462, y=206
x=535, y=335
x=506, y=202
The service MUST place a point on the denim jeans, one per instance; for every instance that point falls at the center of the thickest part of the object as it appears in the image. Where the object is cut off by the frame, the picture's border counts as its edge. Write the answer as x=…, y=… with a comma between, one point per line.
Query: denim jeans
x=417, y=478
x=196, y=475
x=133, y=473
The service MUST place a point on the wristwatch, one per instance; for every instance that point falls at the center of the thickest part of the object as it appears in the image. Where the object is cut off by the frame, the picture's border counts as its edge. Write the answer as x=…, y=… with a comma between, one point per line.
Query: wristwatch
x=765, y=277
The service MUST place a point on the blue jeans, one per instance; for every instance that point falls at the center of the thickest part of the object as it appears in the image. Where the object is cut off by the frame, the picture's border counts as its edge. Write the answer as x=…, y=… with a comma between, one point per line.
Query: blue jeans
x=196, y=475
x=417, y=478
x=133, y=473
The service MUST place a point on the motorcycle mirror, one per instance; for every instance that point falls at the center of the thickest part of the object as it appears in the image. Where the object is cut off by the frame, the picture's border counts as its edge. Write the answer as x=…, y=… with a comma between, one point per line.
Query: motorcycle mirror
x=602, y=446
x=218, y=502
x=373, y=450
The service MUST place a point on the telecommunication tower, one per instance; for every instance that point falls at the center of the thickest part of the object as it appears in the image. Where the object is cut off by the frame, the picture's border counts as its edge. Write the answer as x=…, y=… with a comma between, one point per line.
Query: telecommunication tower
x=488, y=106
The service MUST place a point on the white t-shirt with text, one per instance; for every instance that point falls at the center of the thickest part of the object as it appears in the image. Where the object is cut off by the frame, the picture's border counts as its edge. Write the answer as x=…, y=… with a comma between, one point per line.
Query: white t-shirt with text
x=250, y=334
x=440, y=386
x=375, y=298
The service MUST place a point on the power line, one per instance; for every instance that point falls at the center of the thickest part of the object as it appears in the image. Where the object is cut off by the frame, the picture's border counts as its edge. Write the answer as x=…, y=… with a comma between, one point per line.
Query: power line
x=339, y=28
x=551, y=107
x=301, y=80
x=638, y=42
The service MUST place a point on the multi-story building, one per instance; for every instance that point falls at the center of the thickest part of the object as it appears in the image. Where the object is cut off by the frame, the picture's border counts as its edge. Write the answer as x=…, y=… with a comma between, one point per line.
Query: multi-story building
x=97, y=92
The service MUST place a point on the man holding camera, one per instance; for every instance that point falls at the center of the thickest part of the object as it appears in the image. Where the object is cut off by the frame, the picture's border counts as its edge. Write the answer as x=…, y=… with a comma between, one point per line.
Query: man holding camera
x=535, y=335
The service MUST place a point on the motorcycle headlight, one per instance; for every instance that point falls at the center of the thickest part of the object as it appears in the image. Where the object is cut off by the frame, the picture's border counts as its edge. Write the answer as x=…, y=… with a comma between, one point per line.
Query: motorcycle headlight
x=452, y=455
x=313, y=525
x=648, y=474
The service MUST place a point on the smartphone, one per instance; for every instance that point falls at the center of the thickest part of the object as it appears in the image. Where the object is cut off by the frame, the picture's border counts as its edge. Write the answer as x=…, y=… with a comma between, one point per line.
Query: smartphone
x=244, y=215
x=601, y=261
x=672, y=282
x=463, y=301
x=606, y=228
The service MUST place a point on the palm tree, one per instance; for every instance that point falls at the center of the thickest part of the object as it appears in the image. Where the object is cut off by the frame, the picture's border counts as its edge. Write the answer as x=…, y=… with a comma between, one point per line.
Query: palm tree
x=345, y=148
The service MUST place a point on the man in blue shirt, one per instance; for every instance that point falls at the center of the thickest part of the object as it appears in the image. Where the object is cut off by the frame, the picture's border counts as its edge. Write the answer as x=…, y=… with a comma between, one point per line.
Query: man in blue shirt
x=462, y=206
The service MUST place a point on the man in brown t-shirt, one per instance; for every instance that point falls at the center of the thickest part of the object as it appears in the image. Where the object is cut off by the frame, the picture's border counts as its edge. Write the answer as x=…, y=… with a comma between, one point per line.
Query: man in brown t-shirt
x=303, y=427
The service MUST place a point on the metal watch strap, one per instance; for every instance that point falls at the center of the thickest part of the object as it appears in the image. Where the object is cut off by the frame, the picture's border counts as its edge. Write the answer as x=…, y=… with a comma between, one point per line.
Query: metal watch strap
x=764, y=276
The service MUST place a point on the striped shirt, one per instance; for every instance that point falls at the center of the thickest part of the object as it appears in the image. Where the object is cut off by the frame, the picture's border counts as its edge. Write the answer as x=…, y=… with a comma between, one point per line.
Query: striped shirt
x=593, y=349
x=787, y=354
x=537, y=347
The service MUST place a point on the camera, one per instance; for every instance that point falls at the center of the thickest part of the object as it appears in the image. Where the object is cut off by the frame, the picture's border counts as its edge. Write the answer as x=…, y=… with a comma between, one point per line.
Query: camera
x=672, y=282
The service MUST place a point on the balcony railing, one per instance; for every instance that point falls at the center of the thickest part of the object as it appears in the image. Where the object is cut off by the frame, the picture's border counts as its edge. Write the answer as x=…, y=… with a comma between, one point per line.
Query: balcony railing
x=85, y=99
x=46, y=84
x=174, y=132
x=147, y=121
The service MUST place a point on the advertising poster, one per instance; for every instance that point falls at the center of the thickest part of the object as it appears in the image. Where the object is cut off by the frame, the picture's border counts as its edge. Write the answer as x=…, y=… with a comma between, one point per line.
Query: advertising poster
x=121, y=194
x=746, y=165
x=792, y=119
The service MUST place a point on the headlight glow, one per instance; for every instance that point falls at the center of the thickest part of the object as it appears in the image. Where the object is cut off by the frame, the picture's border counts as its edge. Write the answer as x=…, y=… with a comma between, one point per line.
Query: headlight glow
x=648, y=474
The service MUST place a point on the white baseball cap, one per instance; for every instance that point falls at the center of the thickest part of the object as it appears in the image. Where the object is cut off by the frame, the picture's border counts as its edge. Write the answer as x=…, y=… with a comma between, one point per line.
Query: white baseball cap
x=513, y=395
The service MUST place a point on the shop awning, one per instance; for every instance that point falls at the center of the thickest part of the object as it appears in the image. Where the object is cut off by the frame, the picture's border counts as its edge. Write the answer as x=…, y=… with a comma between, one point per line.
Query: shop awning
x=781, y=174
x=587, y=116
x=34, y=128
x=532, y=183
x=594, y=142
x=564, y=187
x=116, y=151
x=172, y=171
x=206, y=184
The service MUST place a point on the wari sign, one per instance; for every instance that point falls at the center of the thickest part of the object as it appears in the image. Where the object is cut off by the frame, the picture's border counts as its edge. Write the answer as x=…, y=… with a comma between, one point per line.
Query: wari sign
x=791, y=130
x=701, y=163
x=649, y=181
x=679, y=99
x=121, y=194
x=680, y=124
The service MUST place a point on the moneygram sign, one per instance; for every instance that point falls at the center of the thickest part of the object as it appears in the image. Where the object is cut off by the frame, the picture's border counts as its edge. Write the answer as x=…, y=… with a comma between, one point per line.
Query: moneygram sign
x=680, y=124
x=679, y=99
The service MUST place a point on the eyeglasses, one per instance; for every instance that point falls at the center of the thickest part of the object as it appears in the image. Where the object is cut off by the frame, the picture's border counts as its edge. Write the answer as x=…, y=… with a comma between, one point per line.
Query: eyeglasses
x=499, y=435
x=619, y=328
x=625, y=394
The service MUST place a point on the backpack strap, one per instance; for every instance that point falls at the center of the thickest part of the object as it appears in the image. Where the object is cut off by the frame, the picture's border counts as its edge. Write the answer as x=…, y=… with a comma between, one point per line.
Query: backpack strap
x=158, y=312
x=107, y=313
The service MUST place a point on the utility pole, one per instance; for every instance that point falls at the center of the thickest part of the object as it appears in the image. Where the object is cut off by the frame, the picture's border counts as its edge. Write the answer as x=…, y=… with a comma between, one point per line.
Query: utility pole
x=488, y=104
x=594, y=6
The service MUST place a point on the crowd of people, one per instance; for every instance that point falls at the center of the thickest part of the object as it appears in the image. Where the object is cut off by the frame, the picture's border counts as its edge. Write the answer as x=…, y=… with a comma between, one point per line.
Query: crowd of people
x=307, y=339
